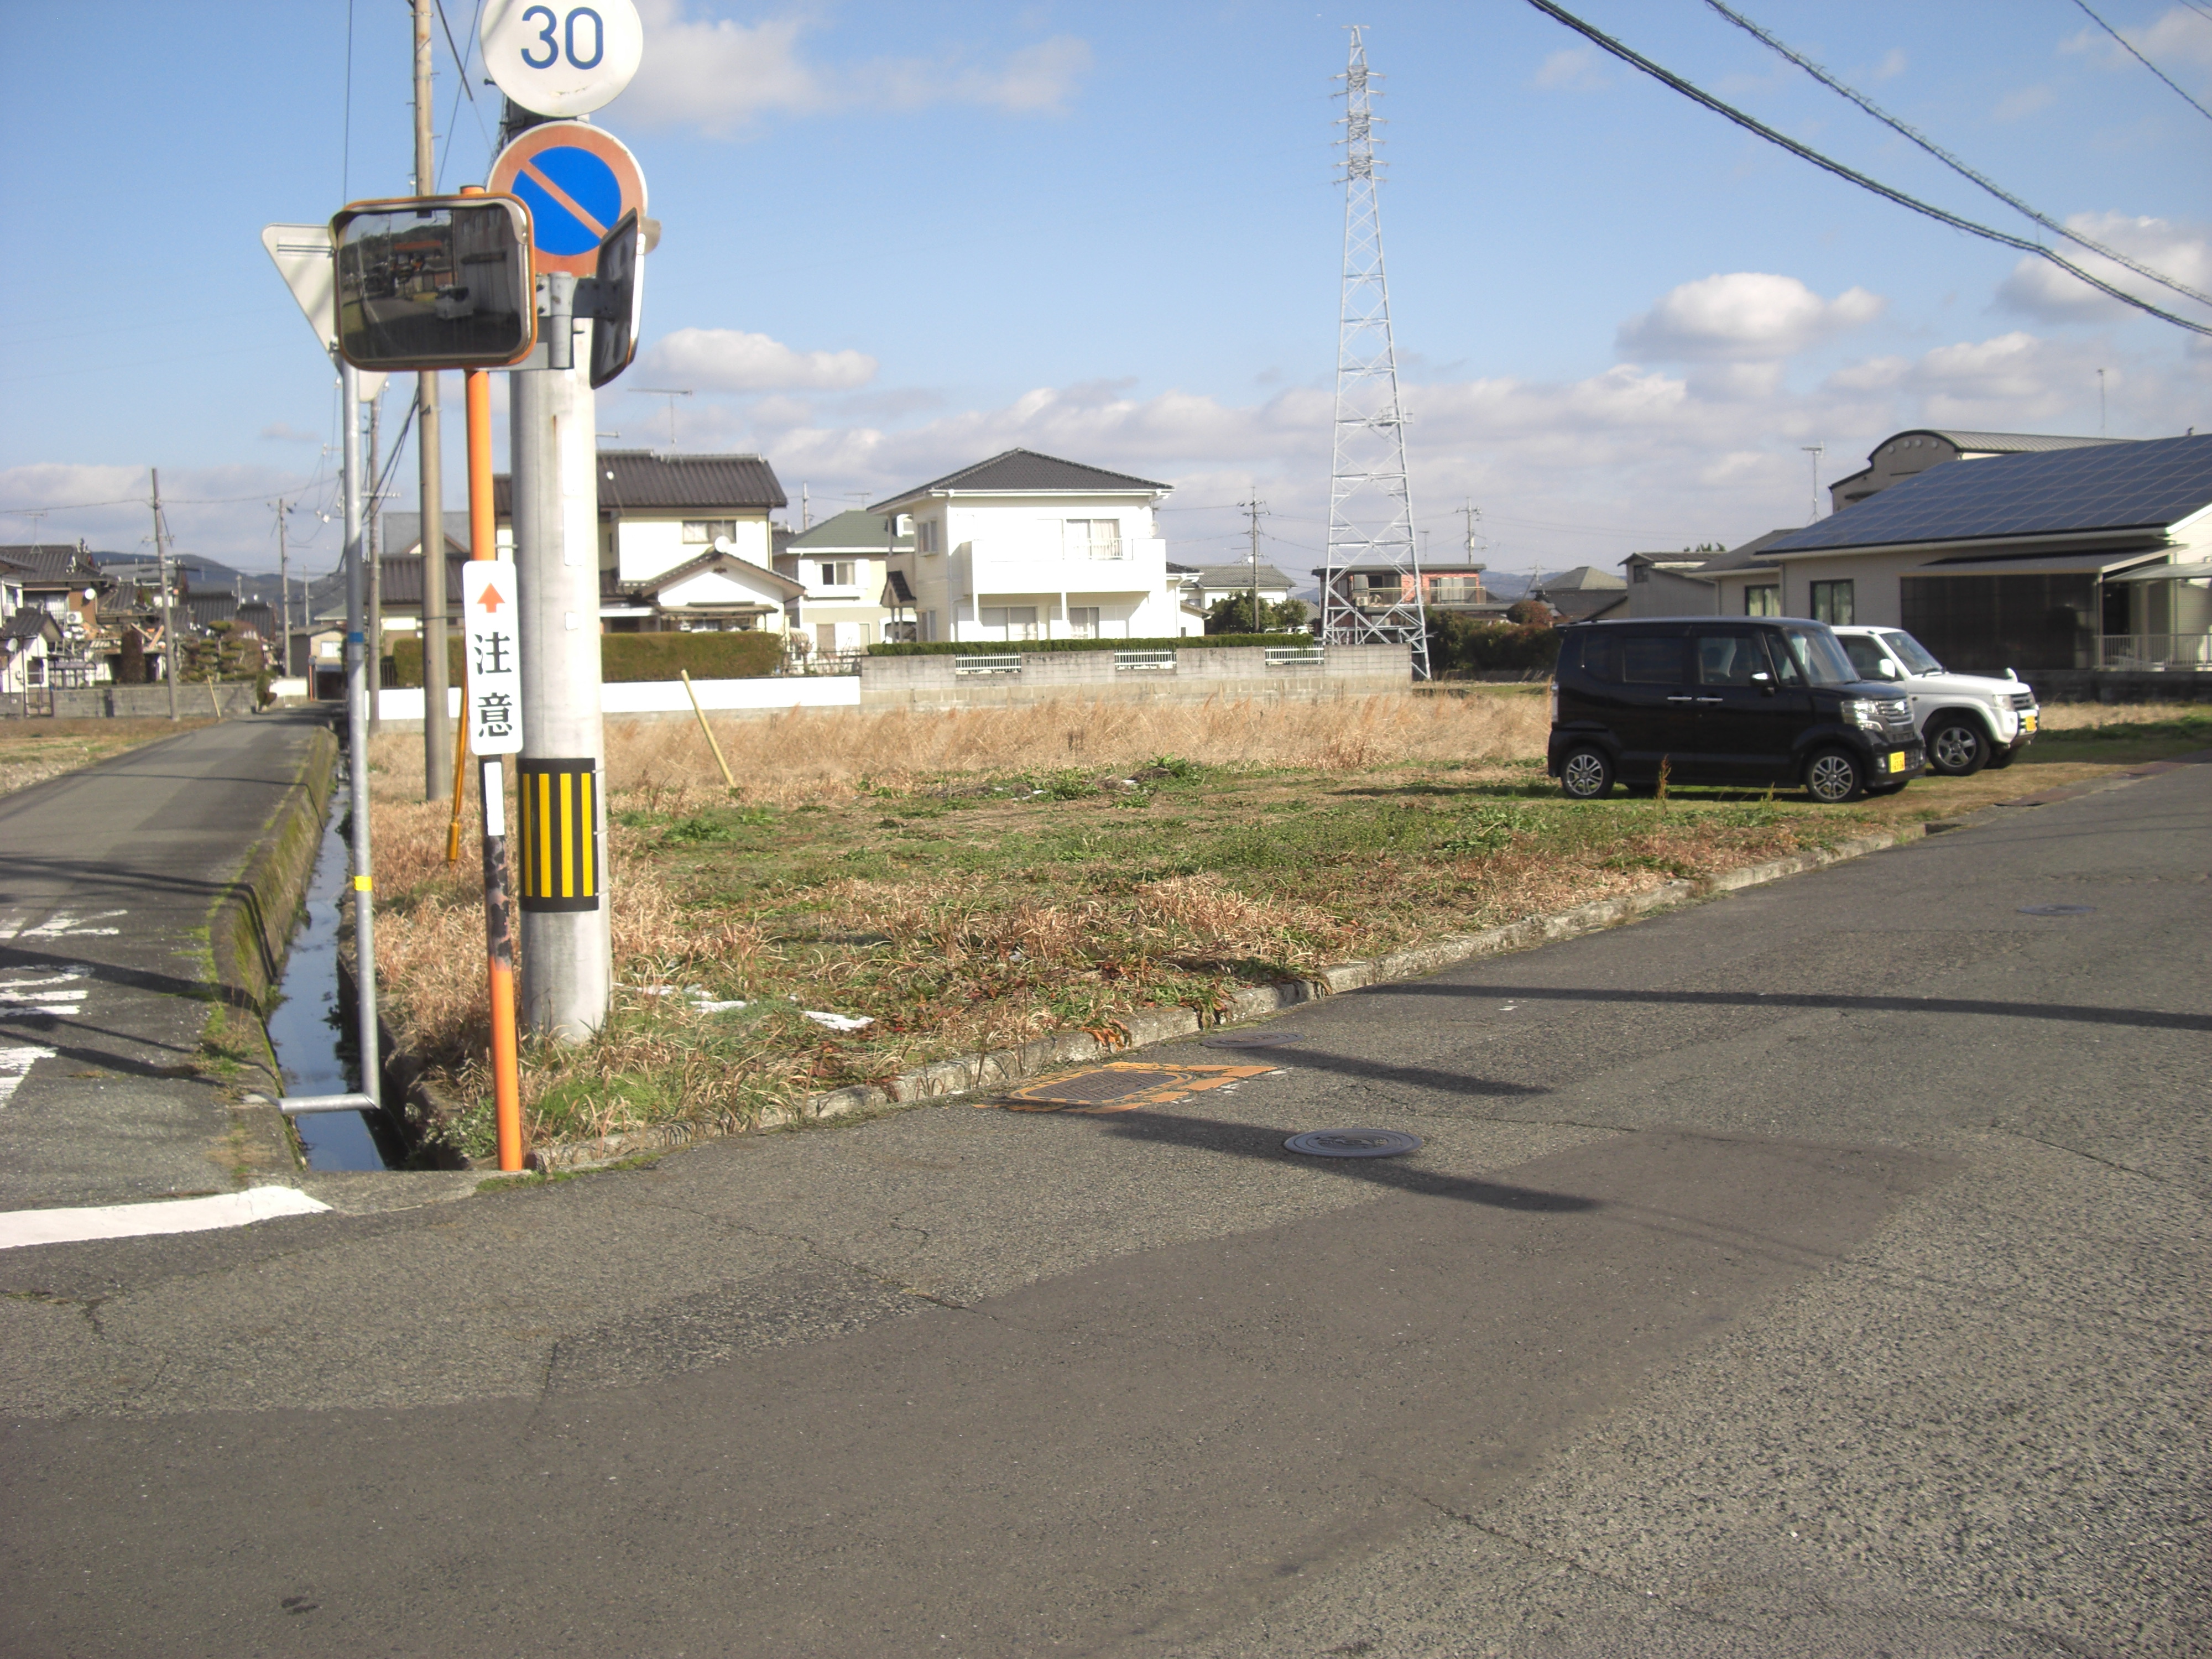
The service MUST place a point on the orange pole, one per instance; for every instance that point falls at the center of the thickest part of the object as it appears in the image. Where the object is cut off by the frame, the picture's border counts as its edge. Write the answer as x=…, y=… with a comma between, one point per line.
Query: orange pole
x=499, y=937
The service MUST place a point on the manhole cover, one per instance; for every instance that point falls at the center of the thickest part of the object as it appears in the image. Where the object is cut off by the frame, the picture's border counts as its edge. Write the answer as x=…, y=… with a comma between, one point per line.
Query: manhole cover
x=2056, y=909
x=1251, y=1039
x=1122, y=1086
x=1353, y=1143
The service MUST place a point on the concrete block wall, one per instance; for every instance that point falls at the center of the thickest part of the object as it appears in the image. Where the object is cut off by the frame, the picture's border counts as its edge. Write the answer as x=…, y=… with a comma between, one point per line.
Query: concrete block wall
x=1199, y=672
x=136, y=703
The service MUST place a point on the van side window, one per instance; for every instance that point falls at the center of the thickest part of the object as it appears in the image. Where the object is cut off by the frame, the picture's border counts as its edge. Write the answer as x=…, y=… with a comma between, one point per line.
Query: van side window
x=1601, y=657
x=1726, y=659
x=1651, y=662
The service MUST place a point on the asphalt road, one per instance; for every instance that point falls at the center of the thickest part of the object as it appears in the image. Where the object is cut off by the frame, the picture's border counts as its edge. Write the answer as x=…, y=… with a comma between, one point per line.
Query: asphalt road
x=106, y=879
x=1814, y=1271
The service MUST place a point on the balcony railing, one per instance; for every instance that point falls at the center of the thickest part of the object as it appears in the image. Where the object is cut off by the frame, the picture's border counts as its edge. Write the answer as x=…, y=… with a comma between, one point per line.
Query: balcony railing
x=2185, y=652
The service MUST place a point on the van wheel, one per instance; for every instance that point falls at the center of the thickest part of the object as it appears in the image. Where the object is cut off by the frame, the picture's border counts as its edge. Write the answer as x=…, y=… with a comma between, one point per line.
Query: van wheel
x=1586, y=774
x=1834, y=776
x=1956, y=747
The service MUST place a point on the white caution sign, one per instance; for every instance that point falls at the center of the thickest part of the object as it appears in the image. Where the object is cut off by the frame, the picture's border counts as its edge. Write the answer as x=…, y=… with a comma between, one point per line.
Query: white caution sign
x=492, y=641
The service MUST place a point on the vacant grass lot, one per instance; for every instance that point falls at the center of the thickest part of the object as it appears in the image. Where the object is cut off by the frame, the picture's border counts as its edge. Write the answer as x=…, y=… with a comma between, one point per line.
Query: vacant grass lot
x=973, y=880
x=33, y=751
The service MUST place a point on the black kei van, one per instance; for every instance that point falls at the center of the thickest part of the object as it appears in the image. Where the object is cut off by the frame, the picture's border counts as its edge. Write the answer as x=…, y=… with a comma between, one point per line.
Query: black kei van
x=1743, y=700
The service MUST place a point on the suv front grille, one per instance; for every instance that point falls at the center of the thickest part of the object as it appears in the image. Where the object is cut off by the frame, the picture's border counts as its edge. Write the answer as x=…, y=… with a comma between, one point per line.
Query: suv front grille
x=2023, y=699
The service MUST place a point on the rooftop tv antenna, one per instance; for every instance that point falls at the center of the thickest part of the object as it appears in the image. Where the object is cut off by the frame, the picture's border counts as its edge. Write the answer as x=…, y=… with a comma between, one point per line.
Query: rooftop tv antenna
x=672, y=393
x=1370, y=507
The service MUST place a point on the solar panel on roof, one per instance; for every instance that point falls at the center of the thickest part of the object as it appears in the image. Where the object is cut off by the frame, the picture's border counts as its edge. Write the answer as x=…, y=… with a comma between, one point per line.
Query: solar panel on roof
x=2116, y=487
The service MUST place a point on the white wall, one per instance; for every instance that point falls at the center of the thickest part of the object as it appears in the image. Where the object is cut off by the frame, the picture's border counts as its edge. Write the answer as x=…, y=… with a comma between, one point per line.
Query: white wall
x=668, y=696
x=644, y=547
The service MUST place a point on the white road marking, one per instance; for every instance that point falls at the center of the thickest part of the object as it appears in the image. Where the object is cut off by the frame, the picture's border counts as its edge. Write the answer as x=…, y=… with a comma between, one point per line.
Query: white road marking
x=16, y=1064
x=61, y=925
x=9, y=993
x=180, y=1215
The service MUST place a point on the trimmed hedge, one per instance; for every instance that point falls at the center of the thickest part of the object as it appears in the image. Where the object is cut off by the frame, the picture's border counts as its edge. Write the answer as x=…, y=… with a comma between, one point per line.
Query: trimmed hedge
x=628, y=657
x=1457, y=643
x=1020, y=647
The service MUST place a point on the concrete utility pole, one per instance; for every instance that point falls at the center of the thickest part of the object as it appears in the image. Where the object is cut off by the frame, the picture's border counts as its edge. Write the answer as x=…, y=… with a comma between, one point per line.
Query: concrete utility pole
x=283, y=591
x=437, y=730
x=168, y=605
x=374, y=508
x=356, y=650
x=568, y=967
x=1253, y=509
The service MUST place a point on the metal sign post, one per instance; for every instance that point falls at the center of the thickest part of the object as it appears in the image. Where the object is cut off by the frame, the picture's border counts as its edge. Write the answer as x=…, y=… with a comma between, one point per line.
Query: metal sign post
x=357, y=673
x=491, y=648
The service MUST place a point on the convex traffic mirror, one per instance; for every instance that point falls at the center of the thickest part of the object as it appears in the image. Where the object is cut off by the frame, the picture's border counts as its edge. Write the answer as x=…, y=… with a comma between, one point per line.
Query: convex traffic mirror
x=435, y=282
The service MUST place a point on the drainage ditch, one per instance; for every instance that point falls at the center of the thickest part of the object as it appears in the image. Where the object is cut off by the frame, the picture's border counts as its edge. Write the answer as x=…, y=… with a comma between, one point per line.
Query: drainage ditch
x=311, y=1031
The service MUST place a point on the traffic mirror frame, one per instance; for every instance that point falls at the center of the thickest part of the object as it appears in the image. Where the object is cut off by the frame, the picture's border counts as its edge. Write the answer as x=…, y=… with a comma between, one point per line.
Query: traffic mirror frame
x=460, y=331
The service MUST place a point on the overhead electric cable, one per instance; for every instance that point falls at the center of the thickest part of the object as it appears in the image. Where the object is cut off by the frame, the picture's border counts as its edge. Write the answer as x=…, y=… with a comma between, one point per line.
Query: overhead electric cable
x=1943, y=216
x=2145, y=62
x=1951, y=160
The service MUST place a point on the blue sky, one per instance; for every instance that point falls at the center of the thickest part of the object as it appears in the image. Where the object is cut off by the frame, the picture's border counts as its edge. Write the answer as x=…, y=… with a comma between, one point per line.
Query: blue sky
x=900, y=237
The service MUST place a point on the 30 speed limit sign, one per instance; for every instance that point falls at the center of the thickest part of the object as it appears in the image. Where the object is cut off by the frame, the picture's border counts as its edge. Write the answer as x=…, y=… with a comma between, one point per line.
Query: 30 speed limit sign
x=556, y=57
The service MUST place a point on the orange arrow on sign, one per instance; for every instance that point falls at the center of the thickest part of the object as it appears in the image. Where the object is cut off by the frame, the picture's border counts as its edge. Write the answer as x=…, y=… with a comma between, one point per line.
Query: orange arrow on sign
x=491, y=600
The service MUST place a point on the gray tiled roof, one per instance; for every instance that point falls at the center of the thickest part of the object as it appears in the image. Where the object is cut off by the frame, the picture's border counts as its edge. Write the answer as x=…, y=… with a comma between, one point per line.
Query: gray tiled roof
x=29, y=623
x=644, y=481
x=402, y=531
x=50, y=564
x=857, y=531
x=1232, y=575
x=1023, y=471
x=2143, y=485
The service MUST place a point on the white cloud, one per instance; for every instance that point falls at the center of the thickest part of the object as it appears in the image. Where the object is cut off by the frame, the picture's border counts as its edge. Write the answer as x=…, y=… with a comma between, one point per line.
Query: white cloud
x=730, y=360
x=2019, y=105
x=1745, y=315
x=1571, y=69
x=285, y=432
x=2184, y=252
x=722, y=76
x=2179, y=36
x=1892, y=64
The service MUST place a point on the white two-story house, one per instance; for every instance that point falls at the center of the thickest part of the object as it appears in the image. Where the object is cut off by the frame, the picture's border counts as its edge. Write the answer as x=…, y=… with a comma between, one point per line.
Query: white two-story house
x=844, y=563
x=684, y=543
x=1026, y=546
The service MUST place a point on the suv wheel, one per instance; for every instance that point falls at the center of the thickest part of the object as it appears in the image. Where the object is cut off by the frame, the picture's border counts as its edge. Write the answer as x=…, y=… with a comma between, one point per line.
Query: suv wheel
x=1834, y=776
x=1586, y=774
x=1956, y=747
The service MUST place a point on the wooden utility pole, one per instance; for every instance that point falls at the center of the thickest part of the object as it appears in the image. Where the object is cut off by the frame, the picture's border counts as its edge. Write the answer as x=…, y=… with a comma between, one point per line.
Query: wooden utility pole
x=437, y=735
x=283, y=591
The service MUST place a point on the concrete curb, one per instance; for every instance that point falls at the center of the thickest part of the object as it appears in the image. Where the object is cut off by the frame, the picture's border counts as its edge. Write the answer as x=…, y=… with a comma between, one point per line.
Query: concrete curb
x=999, y=1068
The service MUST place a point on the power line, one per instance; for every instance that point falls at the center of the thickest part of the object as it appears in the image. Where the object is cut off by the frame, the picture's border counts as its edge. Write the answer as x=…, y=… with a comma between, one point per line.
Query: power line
x=2144, y=61
x=1949, y=159
x=1943, y=216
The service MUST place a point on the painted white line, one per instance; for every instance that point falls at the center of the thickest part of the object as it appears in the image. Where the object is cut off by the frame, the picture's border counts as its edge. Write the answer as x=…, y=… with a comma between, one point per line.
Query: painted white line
x=61, y=925
x=63, y=978
x=8, y=994
x=180, y=1215
x=15, y=1064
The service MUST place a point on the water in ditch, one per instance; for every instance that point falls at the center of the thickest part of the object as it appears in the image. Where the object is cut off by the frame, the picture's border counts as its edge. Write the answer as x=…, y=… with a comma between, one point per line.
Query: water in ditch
x=314, y=1051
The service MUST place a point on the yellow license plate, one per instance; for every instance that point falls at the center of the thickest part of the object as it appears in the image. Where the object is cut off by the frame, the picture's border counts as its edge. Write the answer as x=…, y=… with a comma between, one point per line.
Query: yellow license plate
x=1897, y=760
x=2027, y=722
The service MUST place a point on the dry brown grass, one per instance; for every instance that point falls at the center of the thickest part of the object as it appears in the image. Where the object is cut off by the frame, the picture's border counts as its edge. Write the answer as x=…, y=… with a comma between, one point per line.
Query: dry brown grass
x=2095, y=716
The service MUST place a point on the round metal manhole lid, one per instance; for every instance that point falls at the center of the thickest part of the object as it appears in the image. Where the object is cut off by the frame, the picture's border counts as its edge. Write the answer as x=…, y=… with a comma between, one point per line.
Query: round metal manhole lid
x=1251, y=1039
x=1353, y=1143
x=2057, y=909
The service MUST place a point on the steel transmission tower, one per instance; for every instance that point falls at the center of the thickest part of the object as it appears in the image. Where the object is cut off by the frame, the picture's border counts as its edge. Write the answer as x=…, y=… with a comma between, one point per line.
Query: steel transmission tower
x=1371, y=590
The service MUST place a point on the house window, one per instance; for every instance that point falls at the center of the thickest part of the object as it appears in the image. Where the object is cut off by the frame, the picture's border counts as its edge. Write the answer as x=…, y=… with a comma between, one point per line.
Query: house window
x=1083, y=622
x=839, y=573
x=1456, y=590
x=1009, y=622
x=701, y=532
x=1762, y=601
x=1091, y=538
x=925, y=535
x=1831, y=604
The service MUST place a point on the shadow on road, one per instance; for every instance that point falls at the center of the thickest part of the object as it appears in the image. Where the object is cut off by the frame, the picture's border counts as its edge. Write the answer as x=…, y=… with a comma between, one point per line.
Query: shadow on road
x=2078, y=1013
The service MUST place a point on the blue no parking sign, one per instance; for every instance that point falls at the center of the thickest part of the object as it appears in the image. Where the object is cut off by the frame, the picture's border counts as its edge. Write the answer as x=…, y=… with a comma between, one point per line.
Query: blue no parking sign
x=579, y=181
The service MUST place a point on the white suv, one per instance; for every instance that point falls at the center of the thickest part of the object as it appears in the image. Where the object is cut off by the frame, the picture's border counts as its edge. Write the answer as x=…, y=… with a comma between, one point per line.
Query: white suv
x=1967, y=721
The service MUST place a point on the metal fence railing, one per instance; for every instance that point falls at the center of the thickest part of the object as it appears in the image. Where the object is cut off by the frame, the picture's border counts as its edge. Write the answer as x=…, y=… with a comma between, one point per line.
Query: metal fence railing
x=1294, y=656
x=2160, y=651
x=1143, y=661
x=1006, y=664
